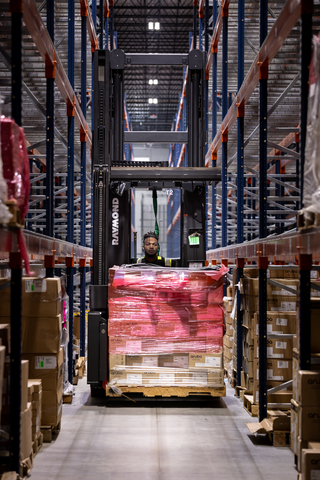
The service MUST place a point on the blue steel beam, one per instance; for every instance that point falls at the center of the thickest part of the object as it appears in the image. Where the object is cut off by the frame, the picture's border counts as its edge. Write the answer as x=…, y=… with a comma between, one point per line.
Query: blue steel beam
x=263, y=230
x=224, y=180
x=240, y=133
x=50, y=130
x=214, y=128
x=83, y=137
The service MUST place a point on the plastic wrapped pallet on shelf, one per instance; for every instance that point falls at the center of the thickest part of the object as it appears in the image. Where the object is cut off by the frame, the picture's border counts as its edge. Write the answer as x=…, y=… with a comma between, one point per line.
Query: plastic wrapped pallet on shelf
x=166, y=327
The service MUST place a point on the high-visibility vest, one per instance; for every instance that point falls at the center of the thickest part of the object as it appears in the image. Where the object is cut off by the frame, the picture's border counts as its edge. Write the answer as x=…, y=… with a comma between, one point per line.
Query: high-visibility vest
x=167, y=261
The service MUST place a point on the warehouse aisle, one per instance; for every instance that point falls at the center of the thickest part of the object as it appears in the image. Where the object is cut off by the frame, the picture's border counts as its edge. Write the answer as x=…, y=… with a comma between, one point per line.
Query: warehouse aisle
x=115, y=443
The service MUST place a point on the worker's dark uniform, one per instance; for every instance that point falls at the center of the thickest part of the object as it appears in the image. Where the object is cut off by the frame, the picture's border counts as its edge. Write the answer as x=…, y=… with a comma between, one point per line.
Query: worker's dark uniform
x=161, y=261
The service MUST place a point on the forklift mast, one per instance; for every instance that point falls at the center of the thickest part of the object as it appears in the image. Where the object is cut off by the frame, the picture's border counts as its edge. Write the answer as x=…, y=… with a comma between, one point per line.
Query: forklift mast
x=112, y=182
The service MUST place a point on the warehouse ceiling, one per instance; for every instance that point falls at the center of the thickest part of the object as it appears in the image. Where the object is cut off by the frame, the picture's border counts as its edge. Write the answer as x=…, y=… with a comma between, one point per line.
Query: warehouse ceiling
x=131, y=20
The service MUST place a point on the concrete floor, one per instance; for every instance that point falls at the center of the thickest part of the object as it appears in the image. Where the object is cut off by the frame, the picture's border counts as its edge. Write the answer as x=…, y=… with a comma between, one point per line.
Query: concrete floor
x=157, y=443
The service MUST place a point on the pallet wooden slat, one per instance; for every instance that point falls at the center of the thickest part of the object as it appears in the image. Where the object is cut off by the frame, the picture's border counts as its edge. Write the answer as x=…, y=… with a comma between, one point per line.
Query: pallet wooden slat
x=50, y=433
x=250, y=406
x=153, y=391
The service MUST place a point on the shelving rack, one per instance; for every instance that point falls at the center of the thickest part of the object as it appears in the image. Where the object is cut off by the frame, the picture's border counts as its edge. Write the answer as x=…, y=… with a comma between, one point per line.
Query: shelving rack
x=259, y=143
x=46, y=88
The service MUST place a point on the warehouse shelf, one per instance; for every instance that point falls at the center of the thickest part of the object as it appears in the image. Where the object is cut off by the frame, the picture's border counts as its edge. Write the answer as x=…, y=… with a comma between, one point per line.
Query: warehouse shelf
x=41, y=245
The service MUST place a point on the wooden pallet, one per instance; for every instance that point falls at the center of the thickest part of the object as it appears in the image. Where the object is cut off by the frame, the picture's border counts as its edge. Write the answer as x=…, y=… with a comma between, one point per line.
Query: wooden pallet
x=307, y=220
x=50, y=433
x=280, y=439
x=240, y=392
x=15, y=221
x=26, y=465
x=153, y=391
x=67, y=398
x=37, y=444
x=249, y=405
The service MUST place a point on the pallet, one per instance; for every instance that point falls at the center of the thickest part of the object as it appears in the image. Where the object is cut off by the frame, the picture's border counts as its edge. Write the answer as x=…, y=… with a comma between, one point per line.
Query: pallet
x=153, y=391
x=26, y=465
x=50, y=433
x=280, y=439
x=240, y=392
x=15, y=221
x=249, y=405
x=37, y=444
x=307, y=220
x=67, y=398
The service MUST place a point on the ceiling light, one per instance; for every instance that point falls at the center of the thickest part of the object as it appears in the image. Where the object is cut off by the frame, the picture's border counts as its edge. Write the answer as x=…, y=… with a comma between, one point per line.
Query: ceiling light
x=150, y=82
x=155, y=100
x=150, y=25
x=150, y=100
x=157, y=26
x=155, y=82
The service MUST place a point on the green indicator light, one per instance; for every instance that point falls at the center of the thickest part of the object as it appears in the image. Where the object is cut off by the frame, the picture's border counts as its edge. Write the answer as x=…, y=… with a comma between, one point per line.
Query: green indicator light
x=42, y=364
x=32, y=288
x=194, y=241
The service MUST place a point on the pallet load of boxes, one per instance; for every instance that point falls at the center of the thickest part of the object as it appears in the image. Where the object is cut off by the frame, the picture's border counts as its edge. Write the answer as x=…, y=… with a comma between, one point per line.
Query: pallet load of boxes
x=300, y=425
x=43, y=363
x=165, y=330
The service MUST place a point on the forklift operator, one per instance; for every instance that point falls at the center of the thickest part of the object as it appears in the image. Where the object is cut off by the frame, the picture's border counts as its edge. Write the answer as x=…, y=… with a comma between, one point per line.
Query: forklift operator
x=150, y=246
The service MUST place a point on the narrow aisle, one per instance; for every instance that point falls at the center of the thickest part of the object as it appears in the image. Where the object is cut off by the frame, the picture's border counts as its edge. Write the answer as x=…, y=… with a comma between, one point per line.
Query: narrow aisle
x=159, y=444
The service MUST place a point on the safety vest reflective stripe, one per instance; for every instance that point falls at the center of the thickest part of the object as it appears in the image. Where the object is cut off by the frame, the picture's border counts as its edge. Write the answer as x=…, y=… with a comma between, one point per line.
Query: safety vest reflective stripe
x=167, y=262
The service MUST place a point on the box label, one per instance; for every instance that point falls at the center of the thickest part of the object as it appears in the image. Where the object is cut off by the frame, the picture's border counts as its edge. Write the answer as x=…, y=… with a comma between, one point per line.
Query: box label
x=134, y=378
x=166, y=376
x=200, y=377
x=282, y=321
x=181, y=362
x=281, y=345
x=282, y=364
x=270, y=353
x=315, y=475
x=43, y=363
x=36, y=285
x=150, y=361
x=133, y=345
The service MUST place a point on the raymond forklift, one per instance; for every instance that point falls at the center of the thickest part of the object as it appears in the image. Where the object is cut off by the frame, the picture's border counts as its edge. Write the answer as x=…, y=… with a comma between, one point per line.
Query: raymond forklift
x=113, y=178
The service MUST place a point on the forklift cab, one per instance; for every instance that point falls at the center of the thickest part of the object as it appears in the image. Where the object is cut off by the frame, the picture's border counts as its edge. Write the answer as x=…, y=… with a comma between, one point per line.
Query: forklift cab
x=114, y=179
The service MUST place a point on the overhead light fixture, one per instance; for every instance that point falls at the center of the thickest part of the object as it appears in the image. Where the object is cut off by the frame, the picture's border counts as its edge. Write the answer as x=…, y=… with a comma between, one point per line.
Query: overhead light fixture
x=153, y=100
x=154, y=25
x=153, y=82
x=150, y=100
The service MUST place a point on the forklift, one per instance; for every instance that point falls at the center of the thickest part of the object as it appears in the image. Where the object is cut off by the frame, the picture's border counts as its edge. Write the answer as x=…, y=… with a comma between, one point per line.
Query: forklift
x=113, y=179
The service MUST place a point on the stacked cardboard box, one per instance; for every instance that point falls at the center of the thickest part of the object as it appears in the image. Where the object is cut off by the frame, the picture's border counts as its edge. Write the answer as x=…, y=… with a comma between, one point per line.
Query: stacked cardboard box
x=26, y=429
x=165, y=327
x=41, y=338
x=228, y=339
x=35, y=398
x=305, y=404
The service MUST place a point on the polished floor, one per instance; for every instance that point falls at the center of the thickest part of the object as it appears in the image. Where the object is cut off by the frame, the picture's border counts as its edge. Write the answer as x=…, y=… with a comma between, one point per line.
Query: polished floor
x=156, y=442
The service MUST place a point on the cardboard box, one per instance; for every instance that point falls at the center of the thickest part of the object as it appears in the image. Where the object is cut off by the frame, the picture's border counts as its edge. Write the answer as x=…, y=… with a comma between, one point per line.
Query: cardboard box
x=51, y=407
x=2, y=363
x=250, y=286
x=271, y=397
x=228, y=341
x=277, y=322
x=48, y=368
x=174, y=360
x=229, y=329
x=315, y=367
x=301, y=445
x=24, y=384
x=145, y=360
x=205, y=360
x=309, y=423
x=228, y=354
x=40, y=297
x=116, y=361
x=276, y=303
x=308, y=386
x=278, y=370
x=315, y=325
x=41, y=334
x=283, y=273
x=314, y=445
x=5, y=335
x=294, y=426
x=26, y=433
x=276, y=348
x=310, y=464
x=135, y=377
